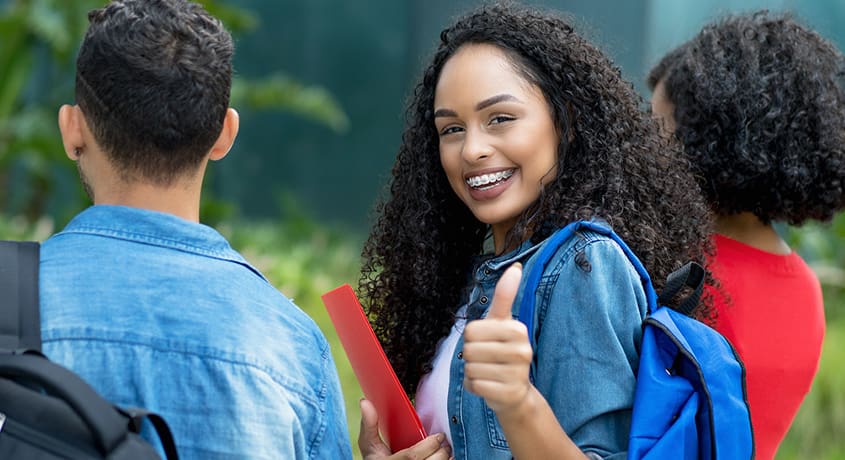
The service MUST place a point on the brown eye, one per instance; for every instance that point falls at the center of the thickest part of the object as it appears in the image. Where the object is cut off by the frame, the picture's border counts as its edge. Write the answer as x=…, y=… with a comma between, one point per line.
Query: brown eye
x=450, y=130
x=501, y=119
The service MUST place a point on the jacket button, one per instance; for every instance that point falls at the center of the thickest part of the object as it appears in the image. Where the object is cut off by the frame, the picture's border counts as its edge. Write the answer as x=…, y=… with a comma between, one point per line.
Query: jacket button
x=460, y=355
x=483, y=300
x=486, y=271
x=454, y=419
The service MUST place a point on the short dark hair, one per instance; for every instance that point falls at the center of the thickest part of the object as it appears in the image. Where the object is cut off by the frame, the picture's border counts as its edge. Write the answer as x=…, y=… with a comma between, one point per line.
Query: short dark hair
x=760, y=109
x=153, y=79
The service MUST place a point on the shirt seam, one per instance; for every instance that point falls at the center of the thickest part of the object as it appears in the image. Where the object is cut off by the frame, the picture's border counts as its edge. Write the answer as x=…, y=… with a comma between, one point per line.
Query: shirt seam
x=262, y=368
x=323, y=393
x=228, y=255
x=149, y=239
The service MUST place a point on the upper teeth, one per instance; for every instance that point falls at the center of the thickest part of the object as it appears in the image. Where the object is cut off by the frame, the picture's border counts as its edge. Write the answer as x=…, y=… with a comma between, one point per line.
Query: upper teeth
x=484, y=179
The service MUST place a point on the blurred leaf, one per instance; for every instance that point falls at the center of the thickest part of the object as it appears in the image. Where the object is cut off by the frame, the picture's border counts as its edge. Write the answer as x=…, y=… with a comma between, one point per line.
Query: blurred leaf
x=822, y=245
x=19, y=228
x=280, y=92
x=15, y=63
x=49, y=25
x=13, y=82
x=237, y=20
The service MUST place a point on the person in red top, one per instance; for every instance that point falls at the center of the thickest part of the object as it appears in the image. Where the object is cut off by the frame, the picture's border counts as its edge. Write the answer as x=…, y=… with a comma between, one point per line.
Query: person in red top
x=757, y=101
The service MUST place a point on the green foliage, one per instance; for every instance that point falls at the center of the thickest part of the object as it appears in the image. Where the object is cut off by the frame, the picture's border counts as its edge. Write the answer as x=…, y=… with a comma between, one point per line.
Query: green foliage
x=38, y=42
x=37, y=38
x=823, y=246
x=20, y=229
x=237, y=20
x=279, y=90
x=818, y=428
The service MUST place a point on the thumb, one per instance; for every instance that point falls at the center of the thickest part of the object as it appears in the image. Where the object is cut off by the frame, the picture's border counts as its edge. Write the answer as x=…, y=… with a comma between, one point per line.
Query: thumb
x=505, y=293
x=369, y=441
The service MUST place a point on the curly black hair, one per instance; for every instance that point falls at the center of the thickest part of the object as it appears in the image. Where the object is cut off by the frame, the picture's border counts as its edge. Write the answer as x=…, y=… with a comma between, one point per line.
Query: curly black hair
x=759, y=107
x=612, y=163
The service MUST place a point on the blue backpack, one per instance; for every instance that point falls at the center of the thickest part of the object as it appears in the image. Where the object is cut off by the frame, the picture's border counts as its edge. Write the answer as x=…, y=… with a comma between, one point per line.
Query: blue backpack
x=690, y=400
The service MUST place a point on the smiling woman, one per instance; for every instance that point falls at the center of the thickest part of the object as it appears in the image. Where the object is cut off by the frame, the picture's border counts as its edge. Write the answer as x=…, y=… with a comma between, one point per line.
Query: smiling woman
x=519, y=127
x=498, y=142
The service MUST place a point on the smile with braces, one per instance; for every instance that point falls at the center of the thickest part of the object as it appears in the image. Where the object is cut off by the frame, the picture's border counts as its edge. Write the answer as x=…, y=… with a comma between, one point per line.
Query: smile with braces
x=486, y=181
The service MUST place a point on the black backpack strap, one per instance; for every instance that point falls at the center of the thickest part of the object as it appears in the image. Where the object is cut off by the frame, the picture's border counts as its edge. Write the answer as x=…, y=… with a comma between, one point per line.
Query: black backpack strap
x=136, y=418
x=690, y=275
x=20, y=323
x=96, y=412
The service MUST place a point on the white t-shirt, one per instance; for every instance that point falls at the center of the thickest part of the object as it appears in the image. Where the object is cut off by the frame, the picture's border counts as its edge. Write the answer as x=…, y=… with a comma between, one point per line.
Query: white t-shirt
x=433, y=391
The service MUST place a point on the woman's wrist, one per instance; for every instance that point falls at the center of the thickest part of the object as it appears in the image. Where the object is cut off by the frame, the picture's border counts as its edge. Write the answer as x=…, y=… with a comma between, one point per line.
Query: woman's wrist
x=524, y=410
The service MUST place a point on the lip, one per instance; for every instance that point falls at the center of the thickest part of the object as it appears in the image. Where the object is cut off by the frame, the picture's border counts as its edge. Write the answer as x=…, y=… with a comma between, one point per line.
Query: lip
x=494, y=191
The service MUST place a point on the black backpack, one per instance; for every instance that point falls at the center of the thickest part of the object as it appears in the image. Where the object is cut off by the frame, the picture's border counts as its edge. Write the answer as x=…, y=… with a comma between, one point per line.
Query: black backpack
x=47, y=411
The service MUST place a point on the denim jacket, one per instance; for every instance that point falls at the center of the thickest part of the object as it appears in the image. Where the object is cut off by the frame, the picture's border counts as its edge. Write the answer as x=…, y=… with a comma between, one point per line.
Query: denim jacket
x=589, y=311
x=158, y=312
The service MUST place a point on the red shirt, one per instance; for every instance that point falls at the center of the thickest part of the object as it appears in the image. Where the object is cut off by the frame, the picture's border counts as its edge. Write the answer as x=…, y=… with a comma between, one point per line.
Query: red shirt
x=771, y=310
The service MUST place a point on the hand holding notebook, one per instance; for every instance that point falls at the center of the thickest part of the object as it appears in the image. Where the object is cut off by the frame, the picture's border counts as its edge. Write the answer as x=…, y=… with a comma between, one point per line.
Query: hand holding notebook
x=397, y=419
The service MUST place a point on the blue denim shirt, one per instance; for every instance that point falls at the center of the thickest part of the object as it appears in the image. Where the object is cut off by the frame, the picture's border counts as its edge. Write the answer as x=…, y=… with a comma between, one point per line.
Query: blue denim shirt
x=588, y=318
x=158, y=312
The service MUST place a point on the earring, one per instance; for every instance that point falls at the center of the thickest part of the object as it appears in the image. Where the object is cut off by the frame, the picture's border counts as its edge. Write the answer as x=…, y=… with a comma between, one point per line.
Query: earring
x=76, y=152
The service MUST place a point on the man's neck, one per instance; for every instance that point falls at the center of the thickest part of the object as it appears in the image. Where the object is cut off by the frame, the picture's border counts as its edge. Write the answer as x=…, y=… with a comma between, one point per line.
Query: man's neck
x=179, y=199
x=747, y=228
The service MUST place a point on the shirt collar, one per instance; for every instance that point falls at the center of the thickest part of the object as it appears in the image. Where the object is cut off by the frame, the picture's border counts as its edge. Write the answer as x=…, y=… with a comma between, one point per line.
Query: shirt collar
x=152, y=227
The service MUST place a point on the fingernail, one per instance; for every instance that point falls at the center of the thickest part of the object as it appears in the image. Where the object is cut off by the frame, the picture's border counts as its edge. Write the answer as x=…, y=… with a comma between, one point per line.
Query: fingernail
x=440, y=437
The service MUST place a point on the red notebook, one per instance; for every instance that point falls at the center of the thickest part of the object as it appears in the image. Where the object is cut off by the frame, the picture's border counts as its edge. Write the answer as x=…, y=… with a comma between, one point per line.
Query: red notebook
x=398, y=421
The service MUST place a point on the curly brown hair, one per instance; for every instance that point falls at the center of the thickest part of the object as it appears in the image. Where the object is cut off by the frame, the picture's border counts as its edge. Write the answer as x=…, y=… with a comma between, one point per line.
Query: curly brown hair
x=760, y=108
x=612, y=163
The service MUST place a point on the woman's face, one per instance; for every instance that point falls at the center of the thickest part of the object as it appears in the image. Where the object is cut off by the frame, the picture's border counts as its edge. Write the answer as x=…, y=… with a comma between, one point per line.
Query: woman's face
x=498, y=141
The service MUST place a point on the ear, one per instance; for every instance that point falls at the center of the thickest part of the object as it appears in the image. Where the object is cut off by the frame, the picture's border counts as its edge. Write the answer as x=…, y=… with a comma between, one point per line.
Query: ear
x=70, y=126
x=224, y=142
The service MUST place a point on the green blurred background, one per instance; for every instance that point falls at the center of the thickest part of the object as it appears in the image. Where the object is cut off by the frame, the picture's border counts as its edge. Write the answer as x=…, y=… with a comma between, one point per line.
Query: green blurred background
x=321, y=87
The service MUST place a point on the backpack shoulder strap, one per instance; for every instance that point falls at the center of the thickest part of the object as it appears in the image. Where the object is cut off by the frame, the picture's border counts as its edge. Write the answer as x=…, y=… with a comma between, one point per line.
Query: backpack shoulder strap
x=532, y=280
x=550, y=247
x=20, y=322
x=690, y=276
x=137, y=416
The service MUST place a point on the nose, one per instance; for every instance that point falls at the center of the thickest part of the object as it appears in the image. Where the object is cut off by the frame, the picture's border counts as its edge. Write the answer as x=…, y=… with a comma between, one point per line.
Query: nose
x=476, y=146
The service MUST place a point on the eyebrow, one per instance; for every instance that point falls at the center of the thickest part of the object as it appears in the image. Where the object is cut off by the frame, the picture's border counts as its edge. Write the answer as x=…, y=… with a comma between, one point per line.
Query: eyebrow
x=495, y=100
x=480, y=106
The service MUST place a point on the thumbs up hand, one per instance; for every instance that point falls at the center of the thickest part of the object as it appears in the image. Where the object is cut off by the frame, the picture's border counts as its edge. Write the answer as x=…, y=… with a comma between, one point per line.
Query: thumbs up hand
x=497, y=353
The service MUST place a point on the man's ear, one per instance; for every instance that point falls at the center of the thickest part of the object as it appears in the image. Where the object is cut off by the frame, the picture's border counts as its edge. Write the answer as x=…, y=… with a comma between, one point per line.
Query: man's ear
x=227, y=135
x=70, y=126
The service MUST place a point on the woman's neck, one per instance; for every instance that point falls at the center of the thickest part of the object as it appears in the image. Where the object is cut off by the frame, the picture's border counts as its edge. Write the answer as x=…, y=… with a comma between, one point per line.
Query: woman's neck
x=747, y=228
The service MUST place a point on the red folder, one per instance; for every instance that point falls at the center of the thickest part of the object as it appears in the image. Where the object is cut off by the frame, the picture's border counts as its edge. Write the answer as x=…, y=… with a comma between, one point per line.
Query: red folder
x=398, y=421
